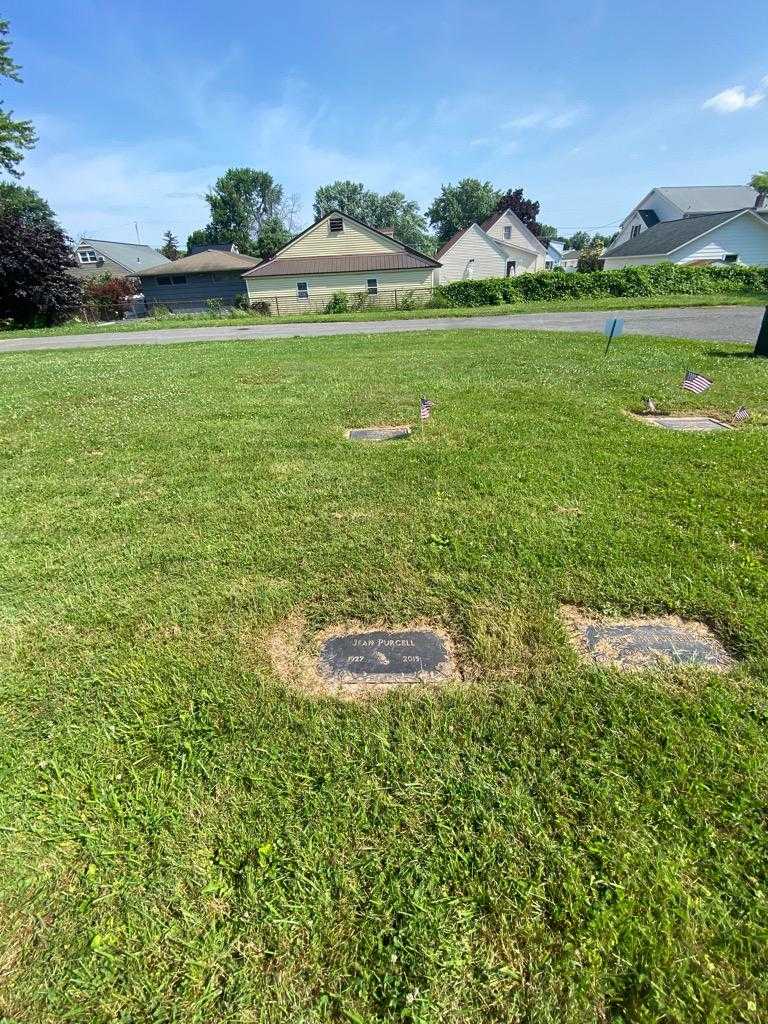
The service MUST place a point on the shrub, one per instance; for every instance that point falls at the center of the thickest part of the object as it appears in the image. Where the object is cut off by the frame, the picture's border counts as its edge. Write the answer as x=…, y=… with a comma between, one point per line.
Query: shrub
x=242, y=301
x=215, y=307
x=108, y=297
x=407, y=299
x=159, y=312
x=36, y=289
x=338, y=303
x=360, y=301
x=261, y=307
x=645, y=281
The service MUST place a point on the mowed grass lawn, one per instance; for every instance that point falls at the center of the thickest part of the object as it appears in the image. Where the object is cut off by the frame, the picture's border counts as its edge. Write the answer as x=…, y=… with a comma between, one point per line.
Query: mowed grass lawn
x=185, y=837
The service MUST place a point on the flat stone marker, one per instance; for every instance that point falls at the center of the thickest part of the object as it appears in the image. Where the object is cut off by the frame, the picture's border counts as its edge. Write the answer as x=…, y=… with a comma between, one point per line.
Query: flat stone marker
x=693, y=423
x=386, y=656
x=640, y=646
x=377, y=433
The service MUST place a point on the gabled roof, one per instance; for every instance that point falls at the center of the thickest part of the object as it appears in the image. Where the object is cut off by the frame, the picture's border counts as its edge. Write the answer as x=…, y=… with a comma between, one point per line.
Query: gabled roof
x=408, y=259
x=571, y=254
x=527, y=233
x=709, y=198
x=669, y=235
x=203, y=263
x=134, y=258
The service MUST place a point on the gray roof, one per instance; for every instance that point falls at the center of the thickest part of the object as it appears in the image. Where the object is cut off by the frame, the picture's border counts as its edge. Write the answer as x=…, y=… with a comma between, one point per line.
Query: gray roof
x=342, y=264
x=221, y=246
x=203, y=263
x=135, y=258
x=709, y=198
x=669, y=235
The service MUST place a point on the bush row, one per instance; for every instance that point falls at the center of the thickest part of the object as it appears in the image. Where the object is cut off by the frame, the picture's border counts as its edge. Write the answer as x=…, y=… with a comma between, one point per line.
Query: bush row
x=630, y=282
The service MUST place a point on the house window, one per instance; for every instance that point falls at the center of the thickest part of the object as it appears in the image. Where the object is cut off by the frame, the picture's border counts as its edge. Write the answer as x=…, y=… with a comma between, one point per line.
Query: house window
x=178, y=278
x=87, y=256
x=547, y=264
x=218, y=276
x=302, y=290
x=507, y=232
x=730, y=257
x=336, y=224
x=373, y=286
x=511, y=264
x=635, y=231
x=470, y=271
x=162, y=282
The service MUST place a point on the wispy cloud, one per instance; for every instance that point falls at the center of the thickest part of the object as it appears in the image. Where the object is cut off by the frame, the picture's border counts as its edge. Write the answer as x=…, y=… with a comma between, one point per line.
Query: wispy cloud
x=729, y=101
x=547, y=118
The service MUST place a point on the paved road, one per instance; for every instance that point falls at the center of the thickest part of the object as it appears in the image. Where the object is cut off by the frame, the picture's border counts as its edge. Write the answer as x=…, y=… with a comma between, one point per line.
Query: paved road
x=717, y=323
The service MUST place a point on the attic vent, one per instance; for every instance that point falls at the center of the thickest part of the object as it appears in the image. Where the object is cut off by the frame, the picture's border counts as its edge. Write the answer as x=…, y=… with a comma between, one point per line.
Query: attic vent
x=336, y=224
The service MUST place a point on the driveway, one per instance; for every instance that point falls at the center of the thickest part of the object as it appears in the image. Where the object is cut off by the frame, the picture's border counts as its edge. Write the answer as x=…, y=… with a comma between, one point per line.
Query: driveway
x=714, y=323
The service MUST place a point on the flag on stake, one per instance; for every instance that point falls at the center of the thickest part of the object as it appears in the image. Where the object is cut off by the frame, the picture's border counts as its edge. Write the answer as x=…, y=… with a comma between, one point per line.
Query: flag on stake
x=425, y=408
x=741, y=414
x=696, y=382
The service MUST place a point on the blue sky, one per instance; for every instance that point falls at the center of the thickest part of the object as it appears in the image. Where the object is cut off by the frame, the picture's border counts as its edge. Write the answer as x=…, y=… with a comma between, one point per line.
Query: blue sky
x=141, y=105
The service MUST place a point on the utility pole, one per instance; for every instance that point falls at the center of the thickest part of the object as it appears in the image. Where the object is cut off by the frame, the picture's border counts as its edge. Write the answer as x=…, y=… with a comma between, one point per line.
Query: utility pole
x=138, y=236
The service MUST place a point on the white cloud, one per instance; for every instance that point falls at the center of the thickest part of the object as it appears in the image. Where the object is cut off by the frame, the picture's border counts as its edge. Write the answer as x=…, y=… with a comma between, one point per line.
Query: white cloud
x=735, y=98
x=553, y=120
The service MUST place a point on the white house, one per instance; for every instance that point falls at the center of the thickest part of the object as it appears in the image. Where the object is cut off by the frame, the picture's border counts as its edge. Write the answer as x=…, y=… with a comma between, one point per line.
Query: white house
x=570, y=260
x=502, y=246
x=340, y=254
x=674, y=202
x=739, y=236
x=555, y=251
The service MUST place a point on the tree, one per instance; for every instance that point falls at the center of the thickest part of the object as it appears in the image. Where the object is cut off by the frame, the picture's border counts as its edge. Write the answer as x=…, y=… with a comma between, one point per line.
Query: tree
x=577, y=240
x=241, y=201
x=526, y=209
x=170, y=247
x=273, y=236
x=547, y=233
x=15, y=136
x=469, y=202
x=200, y=236
x=590, y=257
x=26, y=202
x=759, y=182
x=36, y=289
x=391, y=210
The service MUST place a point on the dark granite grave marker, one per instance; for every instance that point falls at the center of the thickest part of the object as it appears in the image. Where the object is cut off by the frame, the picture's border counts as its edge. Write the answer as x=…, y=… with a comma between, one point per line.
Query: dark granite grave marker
x=641, y=645
x=378, y=433
x=386, y=656
x=689, y=423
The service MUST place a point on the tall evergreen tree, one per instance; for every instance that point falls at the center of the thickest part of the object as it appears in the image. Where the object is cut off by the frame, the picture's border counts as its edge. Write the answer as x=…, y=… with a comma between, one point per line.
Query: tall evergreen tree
x=170, y=247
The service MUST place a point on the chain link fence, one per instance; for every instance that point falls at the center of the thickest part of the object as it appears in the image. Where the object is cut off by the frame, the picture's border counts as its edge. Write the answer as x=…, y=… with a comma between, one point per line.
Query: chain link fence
x=292, y=305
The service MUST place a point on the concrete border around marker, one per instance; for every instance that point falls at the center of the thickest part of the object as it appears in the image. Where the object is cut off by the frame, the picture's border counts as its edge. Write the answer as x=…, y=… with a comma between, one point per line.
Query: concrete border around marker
x=650, y=419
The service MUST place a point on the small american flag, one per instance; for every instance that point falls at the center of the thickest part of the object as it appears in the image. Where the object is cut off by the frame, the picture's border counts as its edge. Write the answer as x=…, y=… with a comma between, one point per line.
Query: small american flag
x=425, y=408
x=741, y=414
x=650, y=405
x=695, y=382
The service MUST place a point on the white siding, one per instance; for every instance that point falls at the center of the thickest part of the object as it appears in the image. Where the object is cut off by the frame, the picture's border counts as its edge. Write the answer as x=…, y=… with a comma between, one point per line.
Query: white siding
x=517, y=237
x=326, y=284
x=660, y=205
x=746, y=236
x=473, y=244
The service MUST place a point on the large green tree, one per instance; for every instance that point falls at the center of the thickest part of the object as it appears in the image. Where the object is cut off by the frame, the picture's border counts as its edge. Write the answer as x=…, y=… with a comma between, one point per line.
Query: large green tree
x=242, y=202
x=759, y=181
x=26, y=202
x=527, y=210
x=272, y=237
x=469, y=202
x=36, y=288
x=15, y=136
x=391, y=210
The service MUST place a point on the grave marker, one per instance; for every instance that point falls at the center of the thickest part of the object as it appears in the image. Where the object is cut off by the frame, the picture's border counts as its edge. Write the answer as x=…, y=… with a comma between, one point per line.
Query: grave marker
x=386, y=656
x=686, y=423
x=377, y=433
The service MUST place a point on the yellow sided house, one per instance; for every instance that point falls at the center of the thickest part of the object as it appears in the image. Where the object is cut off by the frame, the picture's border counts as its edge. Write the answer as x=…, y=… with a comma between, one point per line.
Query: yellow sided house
x=341, y=254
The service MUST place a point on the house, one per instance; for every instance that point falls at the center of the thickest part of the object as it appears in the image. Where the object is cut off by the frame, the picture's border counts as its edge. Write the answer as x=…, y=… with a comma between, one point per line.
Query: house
x=733, y=236
x=340, y=254
x=502, y=246
x=554, y=254
x=188, y=283
x=570, y=260
x=118, y=259
x=674, y=202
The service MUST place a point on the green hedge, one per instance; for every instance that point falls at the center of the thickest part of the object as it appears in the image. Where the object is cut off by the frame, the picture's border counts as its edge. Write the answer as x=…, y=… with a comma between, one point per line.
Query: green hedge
x=654, y=279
